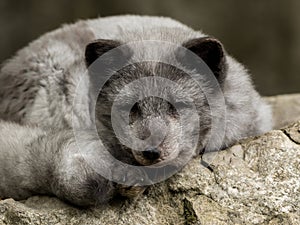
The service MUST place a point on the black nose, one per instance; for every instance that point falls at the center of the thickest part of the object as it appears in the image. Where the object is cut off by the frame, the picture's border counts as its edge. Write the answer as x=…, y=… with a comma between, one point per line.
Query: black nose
x=151, y=153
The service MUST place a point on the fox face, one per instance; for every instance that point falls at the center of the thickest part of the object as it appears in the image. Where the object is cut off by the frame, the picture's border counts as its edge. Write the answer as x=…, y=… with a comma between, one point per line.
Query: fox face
x=156, y=110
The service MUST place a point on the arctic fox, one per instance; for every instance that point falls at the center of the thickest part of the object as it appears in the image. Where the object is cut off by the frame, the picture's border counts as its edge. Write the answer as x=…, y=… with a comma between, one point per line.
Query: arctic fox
x=102, y=107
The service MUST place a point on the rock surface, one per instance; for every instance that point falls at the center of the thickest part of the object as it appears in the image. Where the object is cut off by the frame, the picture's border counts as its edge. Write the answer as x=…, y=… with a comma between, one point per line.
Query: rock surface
x=257, y=181
x=286, y=109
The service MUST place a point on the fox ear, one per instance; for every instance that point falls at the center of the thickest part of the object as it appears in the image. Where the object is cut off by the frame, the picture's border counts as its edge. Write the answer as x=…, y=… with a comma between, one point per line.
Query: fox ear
x=97, y=48
x=211, y=51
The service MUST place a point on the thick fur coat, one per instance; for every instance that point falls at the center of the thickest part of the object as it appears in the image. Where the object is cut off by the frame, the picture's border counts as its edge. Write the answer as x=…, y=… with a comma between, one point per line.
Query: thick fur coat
x=39, y=108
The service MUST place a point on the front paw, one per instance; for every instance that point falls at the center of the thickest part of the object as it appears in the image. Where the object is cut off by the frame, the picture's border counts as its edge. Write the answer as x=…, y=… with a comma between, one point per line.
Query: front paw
x=130, y=181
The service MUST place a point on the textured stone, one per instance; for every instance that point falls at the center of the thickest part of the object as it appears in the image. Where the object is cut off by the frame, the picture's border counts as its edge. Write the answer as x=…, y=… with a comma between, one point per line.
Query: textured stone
x=286, y=109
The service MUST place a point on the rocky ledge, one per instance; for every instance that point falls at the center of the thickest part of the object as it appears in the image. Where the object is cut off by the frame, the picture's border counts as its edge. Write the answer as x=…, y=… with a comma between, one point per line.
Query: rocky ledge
x=257, y=181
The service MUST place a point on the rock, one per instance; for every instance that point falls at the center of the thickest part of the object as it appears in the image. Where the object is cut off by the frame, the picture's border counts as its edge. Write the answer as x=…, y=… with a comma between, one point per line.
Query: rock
x=286, y=109
x=256, y=181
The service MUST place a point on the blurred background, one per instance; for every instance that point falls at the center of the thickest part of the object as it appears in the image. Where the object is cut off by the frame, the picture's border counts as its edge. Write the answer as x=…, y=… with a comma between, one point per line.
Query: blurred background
x=262, y=34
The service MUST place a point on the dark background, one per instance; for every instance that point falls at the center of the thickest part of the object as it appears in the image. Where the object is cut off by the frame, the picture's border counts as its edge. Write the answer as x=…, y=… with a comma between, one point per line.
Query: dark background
x=262, y=34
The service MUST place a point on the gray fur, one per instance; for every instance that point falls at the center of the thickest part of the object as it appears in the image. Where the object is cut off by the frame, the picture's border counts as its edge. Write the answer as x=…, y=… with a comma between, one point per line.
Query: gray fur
x=38, y=152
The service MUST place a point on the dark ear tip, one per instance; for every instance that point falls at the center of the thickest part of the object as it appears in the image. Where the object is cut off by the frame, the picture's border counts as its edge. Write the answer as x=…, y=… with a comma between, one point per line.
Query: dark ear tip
x=202, y=40
x=211, y=40
x=97, y=48
x=212, y=52
x=215, y=43
x=208, y=43
x=90, y=54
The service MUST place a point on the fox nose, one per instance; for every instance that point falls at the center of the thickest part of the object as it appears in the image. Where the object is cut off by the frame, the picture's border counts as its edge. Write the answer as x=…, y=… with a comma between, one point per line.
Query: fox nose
x=151, y=153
